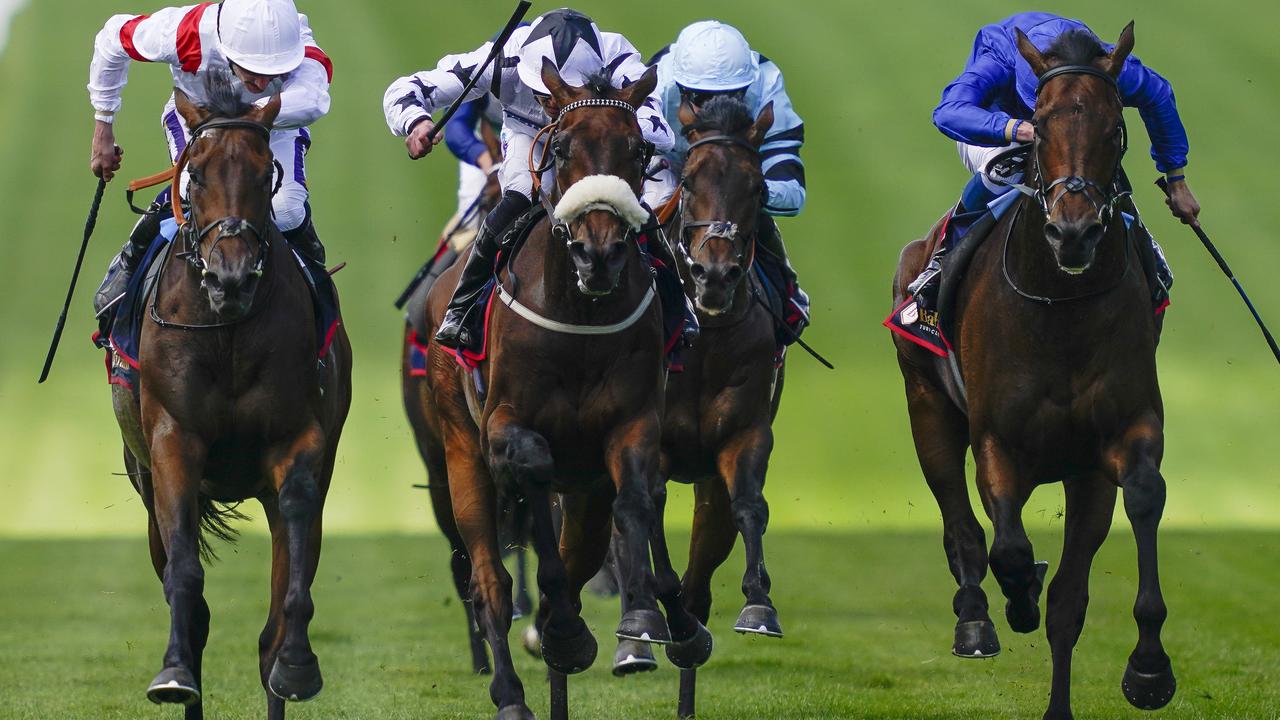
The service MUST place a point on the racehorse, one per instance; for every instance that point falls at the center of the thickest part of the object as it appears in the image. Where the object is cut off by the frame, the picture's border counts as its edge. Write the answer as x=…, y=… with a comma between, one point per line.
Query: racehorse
x=1055, y=339
x=573, y=394
x=231, y=402
x=514, y=526
x=717, y=429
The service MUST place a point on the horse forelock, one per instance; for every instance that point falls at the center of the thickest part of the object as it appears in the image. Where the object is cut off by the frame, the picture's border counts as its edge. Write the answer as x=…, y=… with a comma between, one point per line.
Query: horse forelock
x=602, y=192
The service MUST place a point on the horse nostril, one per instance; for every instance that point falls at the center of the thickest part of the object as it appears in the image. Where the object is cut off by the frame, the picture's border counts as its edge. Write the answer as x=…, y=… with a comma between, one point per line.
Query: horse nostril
x=698, y=270
x=1053, y=232
x=616, y=253
x=1092, y=234
x=734, y=275
x=578, y=251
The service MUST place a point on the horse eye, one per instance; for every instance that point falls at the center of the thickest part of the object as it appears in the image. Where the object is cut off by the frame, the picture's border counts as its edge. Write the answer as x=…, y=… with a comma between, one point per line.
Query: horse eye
x=197, y=177
x=561, y=149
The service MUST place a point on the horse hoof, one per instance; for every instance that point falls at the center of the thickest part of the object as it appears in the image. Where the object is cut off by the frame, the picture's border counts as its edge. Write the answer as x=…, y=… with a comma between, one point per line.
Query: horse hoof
x=976, y=639
x=1148, y=691
x=691, y=653
x=569, y=654
x=295, y=683
x=532, y=641
x=515, y=712
x=1024, y=616
x=758, y=620
x=633, y=657
x=644, y=626
x=174, y=685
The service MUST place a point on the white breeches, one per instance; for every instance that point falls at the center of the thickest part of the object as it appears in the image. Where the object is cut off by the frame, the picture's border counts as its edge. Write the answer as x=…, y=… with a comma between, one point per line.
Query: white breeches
x=975, y=159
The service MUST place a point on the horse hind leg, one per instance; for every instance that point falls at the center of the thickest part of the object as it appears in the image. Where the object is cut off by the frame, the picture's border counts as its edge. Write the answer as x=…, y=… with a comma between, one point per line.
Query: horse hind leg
x=941, y=437
x=1020, y=576
x=1090, y=504
x=1148, y=681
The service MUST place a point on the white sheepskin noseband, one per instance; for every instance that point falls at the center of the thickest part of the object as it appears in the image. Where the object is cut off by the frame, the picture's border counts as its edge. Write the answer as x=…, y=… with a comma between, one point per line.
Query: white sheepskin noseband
x=602, y=192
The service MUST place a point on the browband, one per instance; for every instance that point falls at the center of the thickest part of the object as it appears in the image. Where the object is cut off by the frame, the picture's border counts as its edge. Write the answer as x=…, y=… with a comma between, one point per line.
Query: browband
x=595, y=102
x=1075, y=70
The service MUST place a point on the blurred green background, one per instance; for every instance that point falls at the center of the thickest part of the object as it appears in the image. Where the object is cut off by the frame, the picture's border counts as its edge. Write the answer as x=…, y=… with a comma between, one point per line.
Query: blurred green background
x=864, y=76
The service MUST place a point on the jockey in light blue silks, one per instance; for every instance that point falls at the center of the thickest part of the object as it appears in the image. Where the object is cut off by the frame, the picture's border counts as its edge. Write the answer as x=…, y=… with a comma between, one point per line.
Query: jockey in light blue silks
x=710, y=58
x=988, y=109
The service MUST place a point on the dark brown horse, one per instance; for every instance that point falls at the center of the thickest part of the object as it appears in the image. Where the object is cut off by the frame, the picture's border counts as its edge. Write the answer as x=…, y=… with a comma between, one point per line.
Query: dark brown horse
x=514, y=526
x=231, y=403
x=1056, y=342
x=573, y=399
x=717, y=432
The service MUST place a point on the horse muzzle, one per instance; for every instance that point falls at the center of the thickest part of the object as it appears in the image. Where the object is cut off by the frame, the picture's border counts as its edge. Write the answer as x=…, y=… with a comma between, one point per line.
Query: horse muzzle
x=230, y=293
x=1074, y=243
x=715, y=286
x=599, y=265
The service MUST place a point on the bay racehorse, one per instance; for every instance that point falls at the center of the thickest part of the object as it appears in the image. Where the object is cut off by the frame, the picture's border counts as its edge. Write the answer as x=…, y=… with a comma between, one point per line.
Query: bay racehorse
x=231, y=402
x=717, y=432
x=514, y=523
x=1055, y=339
x=573, y=380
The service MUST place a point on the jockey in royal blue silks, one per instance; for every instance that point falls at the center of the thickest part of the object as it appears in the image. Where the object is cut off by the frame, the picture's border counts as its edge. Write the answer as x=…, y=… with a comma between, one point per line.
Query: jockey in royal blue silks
x=988, y=109
x=711, y=58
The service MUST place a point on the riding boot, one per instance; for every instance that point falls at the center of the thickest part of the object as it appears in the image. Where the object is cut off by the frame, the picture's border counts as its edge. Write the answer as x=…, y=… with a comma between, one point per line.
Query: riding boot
x=122, y=266
x=660, y=249
x=304, y=239
x=478, y=270
x=796, y=312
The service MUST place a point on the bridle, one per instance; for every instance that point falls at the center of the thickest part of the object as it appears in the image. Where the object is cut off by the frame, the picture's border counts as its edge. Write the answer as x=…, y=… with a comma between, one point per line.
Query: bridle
x=559, y=228
x=1102, y=200
x=723, y=229
x=193, y=232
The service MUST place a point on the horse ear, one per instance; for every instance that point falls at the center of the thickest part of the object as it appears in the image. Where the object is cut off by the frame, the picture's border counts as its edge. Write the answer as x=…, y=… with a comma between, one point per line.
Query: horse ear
x=637, y=92
x=1120, y=53
x=551, y=78
x=268, y=113
x=1031, y=54
x=191, y=113
x=760, y=128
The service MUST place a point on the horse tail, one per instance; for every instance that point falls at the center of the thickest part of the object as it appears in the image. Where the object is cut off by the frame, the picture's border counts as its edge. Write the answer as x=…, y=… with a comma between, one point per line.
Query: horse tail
x=215, y=521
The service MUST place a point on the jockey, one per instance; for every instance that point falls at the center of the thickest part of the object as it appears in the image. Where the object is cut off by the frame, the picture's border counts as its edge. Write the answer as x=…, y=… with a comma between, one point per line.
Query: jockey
x=988, y=110
x=578, y=49
x=268, y=46
x=711, y=58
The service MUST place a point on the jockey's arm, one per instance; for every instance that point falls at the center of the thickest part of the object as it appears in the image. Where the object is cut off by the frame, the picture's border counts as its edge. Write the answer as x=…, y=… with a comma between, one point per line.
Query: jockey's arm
x=412, y=98
x=620, y=54
x=123, y=39
x=962, y=114
x=460, y=134
x=1147, y=90
x=304, y=96
x=780, y=151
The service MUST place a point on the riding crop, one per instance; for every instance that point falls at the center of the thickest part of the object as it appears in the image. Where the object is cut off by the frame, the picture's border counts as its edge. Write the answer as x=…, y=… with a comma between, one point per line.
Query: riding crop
x=75, y=275
x=1226, y=269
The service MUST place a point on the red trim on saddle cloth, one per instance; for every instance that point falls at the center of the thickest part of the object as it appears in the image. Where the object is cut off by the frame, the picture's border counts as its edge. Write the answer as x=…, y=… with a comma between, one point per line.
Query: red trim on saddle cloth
x=1163, y=306
x=328, y=338
x=412, y=338
x=189, y=51
x=908, y=336
x=107, y=352
x=126, y=38
x=315, y=53
x=472, y=360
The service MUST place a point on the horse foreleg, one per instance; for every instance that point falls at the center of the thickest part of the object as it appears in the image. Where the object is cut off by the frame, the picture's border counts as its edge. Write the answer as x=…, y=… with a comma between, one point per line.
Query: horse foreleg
x=742, y=463
x=472, y=495
x=522, y=458
x=941, y=434
x=710, y=543
x=273, y=631
x=690, y=640
x=631, y=453
x=1148, y=680
x=177, y=463
x=1013, y=563
x=295, y=674
x=1090, y=504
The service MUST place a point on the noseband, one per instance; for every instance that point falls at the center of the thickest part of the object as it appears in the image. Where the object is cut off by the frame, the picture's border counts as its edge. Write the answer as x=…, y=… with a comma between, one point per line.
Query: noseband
x=723, y=229
x=1102, y=200
x=192, y=232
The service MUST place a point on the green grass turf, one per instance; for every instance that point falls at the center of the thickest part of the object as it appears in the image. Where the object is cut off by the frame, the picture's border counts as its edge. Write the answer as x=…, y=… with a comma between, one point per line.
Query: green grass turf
x=867, y=617
x=864, y=75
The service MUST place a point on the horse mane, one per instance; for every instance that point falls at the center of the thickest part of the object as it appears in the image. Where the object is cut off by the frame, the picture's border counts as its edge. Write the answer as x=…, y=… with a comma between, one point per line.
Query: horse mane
x=224, y=96
x=1076, y=47
x=726, y=114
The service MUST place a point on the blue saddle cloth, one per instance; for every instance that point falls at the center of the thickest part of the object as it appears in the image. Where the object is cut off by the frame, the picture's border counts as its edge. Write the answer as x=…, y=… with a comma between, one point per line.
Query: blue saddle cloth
x=120, y=330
